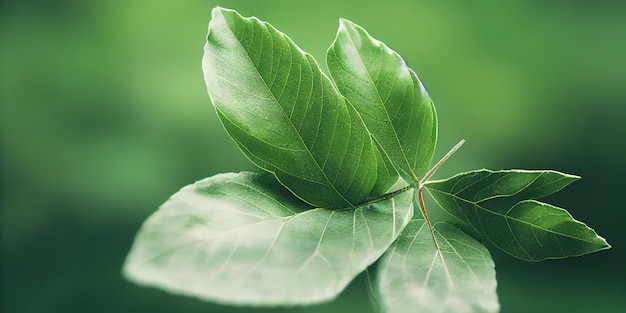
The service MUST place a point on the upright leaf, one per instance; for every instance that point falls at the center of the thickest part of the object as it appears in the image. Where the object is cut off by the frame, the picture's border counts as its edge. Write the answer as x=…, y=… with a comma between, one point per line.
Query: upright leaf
x=500, y=206
x=285, y=114
x=244, y=239
x=415, y=276
x=394, y=105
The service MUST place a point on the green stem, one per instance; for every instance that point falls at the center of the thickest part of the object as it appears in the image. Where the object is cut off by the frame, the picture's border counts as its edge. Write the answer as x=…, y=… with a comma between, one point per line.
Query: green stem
x=422, y=206
x=432, y=171
x=426, y=177
x=385, y=196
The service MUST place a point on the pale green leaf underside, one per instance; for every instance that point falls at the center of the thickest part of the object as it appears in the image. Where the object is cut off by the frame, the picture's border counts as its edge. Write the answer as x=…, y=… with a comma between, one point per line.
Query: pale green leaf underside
x=286, y=116
x=500, y=206
x=394, y=105
x=414, y=276
x=244, y=239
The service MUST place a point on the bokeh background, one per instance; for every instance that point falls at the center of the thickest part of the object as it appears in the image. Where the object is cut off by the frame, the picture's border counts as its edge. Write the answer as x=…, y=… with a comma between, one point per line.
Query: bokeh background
x=104, y=115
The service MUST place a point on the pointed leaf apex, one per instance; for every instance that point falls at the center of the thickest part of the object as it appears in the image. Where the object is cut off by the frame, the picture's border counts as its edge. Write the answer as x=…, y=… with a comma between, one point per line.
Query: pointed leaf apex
x=218, y=15
x=345, y=25
x=218, y=10
x=345, y=22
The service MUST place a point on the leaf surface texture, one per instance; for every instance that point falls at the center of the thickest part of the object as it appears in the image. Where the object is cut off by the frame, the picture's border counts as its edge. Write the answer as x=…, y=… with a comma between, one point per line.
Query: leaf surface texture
x=286, y=116
x=244, y=239
x=392, y=101
x=501, y=206
x=415, y=276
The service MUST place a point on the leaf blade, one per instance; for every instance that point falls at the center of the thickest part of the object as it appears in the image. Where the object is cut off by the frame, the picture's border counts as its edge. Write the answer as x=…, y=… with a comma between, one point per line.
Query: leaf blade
x=285, y=114
x=501, y=206
x=414, y=276
x=243, y=239
x=394, y=105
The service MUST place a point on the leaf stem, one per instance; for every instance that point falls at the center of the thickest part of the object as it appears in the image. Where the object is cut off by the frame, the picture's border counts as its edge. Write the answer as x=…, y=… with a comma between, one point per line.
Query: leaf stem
x=422, y=206
x=432, y=171
x=385, y=196
x=426, y=177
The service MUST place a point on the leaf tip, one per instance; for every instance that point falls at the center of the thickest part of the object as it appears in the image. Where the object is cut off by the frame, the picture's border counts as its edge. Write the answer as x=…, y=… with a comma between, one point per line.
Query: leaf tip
x=573, y=177
x=345, y=22
x=605, y=244
x=217, y=10
x=217, y=17
x=348, y=25
x=567, y=176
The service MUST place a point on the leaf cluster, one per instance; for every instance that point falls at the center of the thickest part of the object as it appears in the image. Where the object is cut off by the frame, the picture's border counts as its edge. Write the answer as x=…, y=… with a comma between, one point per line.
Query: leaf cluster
x=346, y=160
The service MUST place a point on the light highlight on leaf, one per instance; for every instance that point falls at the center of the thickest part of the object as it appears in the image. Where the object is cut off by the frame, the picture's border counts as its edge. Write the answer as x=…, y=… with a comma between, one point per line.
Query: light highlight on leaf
x=414, y=276
x=244, y=239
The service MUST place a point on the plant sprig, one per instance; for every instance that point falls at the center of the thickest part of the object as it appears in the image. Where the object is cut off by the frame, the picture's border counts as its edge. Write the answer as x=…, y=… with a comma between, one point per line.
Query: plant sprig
x=345, y=160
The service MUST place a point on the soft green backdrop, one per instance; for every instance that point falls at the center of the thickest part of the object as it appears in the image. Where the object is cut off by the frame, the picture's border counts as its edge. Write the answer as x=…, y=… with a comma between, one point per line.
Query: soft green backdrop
x=104, y=115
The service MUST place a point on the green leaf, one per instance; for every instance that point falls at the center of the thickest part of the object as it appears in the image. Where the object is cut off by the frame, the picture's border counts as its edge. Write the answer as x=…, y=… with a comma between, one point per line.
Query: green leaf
x=244, y=239
x=415, y=276
x=394, y=105
x=286, y=116
x=500, y=206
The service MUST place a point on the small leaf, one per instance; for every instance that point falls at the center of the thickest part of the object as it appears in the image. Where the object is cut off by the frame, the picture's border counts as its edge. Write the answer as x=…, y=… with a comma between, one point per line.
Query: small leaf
x=243, y=239
x=501, y=207
x=415, y=276
x=286, y=116
x=394, y=105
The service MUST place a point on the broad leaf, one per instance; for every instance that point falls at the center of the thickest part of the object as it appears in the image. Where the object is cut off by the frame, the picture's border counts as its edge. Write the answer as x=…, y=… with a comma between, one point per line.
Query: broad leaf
x=501, y=207
x=244, y=239
x=394, y=105
x=415, y=276
x=285, y=114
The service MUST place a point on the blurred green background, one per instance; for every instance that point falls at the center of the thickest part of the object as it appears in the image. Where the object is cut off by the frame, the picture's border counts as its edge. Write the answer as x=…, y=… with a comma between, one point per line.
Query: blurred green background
x=104, y=115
